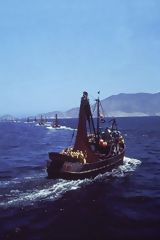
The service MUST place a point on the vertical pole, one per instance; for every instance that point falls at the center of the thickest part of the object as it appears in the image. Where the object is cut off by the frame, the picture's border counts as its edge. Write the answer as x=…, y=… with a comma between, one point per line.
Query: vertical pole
x=98, y=116
x=56, y=120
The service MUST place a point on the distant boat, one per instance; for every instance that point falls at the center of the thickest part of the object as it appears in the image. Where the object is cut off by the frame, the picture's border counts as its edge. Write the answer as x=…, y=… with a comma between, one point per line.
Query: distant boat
x=35, y=119
x=93, y=153
x=41, y=121
x=28, y=120
x=55, y=123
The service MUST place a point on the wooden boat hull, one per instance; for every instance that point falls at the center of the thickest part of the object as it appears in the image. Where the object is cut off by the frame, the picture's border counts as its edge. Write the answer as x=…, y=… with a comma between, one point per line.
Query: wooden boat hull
x=57, y=166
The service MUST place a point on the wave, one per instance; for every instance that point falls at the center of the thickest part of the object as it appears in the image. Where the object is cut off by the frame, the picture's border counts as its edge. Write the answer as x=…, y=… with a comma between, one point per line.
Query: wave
x=60, y=128
x=53, y=190
x=129, y=165
x=42, y=189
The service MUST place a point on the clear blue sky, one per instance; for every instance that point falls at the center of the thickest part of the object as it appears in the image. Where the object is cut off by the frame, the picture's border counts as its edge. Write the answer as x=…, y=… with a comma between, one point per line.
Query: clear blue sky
x=53, y=50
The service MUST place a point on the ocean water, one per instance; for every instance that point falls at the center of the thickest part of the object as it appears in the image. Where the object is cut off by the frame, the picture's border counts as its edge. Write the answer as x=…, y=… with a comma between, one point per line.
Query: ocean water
x=122, y=204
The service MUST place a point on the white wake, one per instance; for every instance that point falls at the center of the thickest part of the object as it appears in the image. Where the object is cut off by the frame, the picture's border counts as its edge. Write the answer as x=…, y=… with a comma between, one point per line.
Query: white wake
x=55, y=189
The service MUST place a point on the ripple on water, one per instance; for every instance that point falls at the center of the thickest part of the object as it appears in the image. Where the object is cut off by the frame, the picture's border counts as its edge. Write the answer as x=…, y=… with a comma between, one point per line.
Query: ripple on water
x=32, y=189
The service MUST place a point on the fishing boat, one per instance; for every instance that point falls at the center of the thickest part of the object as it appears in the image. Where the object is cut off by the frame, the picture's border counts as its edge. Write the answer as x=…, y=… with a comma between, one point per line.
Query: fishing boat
x=95, y=150
x=55, y=123
x=42, y=121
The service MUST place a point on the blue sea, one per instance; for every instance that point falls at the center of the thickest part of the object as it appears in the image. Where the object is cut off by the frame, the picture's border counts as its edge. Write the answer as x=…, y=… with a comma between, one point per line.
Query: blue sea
x=122, y=204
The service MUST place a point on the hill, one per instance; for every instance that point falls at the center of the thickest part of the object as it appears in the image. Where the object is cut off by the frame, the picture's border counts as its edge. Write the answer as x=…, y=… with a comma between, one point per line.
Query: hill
x=138, y=104
x=120, y=105
x=123, y=105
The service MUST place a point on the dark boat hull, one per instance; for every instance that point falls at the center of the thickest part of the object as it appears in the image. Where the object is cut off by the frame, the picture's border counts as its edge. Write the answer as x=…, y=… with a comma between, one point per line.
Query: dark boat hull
x=56, y=168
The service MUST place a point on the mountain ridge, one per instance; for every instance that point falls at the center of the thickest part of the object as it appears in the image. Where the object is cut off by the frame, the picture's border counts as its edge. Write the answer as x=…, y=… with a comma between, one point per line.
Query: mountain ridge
x=124, y=105
x=119, y=105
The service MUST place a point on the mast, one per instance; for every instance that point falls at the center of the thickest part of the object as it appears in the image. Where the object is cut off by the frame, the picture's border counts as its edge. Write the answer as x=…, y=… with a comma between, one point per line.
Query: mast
x=56, y=120
x=98, y=115
x=94, y=131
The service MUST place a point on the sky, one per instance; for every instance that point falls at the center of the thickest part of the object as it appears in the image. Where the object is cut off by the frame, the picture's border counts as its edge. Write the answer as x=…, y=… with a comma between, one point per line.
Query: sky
x=53, y=50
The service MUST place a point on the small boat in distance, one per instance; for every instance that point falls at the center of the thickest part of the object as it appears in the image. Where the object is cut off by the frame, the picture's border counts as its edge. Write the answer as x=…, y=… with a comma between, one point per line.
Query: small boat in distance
x=41, y=121
x=55, y=123
x=93, y=153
